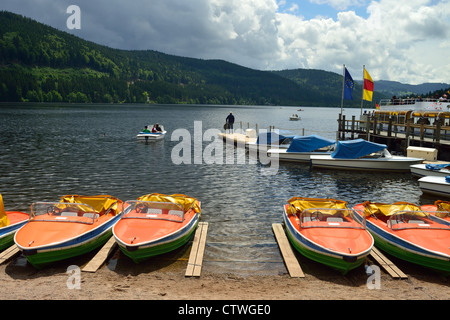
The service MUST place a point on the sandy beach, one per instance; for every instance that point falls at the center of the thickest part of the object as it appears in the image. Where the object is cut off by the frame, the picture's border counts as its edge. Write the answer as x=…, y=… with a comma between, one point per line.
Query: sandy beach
x=164, y=279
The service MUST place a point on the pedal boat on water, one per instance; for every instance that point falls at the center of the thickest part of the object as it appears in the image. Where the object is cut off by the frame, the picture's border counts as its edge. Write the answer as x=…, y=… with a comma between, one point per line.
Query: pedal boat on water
x=10, y=222
x=325, y=230
x=151, y=136
x=155, y=224
x=60, y=230
x=405, y=231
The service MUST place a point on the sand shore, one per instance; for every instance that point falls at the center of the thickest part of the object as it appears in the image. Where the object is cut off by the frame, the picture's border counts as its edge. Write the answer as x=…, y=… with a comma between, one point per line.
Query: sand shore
x=164, y=279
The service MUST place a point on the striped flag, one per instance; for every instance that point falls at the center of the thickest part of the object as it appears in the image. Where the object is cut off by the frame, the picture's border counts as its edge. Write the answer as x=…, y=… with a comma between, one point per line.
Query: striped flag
x=368, y=86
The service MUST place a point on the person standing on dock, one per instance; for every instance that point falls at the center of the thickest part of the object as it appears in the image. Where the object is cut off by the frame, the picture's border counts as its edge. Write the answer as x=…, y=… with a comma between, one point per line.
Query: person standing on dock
x=230, y=122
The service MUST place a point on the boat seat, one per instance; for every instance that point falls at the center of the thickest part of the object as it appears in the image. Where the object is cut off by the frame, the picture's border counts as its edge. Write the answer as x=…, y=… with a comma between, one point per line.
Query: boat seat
x=416, y=221
x=91, y=215
x=69, y=214
x=335, y=219
x=154, y=211
x=176, y=212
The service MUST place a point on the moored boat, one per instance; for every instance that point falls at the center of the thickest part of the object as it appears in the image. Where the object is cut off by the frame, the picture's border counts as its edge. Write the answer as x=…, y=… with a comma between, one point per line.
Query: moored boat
x=324, y=230
x=10, y=222
x=360, y=154
x=440, y=209
x=270, y=139
x=428, y=169
x=407, y=232
x=437, y=186
x=155, y=224
x=301, y=148
x=71, y=227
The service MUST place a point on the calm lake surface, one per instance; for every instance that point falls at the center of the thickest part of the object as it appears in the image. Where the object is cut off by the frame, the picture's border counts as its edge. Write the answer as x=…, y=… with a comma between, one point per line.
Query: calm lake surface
x=48, y=151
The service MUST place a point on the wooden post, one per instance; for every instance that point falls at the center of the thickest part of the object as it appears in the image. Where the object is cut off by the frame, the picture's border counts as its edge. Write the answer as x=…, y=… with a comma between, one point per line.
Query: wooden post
x=353, y=127
x=389, y=133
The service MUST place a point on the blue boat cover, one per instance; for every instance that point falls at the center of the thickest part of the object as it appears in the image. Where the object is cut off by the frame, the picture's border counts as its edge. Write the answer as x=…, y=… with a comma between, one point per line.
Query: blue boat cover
x=436, y=167
x=308, y=143
x=271, y=137
x=353, y=149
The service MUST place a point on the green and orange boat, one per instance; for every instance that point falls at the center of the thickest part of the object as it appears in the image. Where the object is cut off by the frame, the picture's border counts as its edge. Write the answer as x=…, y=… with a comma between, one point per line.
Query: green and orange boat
x=71, y=227
x=326, y=231
x=406, y=231
x=155, y=224
x=10, y=222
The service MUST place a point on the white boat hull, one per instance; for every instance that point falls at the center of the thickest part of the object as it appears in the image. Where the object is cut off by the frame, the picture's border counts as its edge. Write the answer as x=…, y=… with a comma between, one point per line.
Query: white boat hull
x=394, y=163
x=435, y=185
x=151, y=136
x=420, y=170
x=283, y=155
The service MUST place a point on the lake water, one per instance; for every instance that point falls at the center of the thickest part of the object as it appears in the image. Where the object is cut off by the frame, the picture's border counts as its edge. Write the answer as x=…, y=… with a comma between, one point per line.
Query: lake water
x=50, y=150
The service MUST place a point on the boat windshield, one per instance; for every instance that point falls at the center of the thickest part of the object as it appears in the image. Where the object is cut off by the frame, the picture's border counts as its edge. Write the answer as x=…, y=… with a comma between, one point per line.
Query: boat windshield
x=329, y=218
x=63, y=212
x=137, y=209
x=404, y=219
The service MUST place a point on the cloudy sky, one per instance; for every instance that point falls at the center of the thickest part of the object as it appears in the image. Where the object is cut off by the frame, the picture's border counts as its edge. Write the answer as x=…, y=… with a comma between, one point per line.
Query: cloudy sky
x=399, y=40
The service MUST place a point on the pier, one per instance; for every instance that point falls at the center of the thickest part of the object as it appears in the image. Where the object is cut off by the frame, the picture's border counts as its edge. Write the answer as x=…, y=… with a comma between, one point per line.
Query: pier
x=400, y=129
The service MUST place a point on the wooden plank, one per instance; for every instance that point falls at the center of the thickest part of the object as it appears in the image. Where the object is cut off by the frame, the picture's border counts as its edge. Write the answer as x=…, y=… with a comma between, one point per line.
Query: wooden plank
x=101, y=256
x=290, y=260
x=9, y=253
x=195, y=262
x=387, y=264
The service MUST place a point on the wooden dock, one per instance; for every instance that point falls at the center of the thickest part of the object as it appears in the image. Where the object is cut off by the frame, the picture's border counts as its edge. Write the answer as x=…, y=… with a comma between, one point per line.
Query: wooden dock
x=292, y=265
x=387, y=265
x=9, y=253
x=194, y=267
x=100, y=258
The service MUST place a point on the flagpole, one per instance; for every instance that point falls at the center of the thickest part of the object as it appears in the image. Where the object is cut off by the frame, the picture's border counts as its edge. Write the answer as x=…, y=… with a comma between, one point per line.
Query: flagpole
x=343, y=83
x=362, y=96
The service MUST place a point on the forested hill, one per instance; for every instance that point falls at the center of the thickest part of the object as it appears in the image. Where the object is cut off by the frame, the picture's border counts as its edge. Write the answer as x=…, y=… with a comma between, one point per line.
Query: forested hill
x=41, y=63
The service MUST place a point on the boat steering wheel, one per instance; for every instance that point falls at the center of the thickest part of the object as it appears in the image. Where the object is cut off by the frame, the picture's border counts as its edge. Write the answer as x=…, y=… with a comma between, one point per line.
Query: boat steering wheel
x=316, y=216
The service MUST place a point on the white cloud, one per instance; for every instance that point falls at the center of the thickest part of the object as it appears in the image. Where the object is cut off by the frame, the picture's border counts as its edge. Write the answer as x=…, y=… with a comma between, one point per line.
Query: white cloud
x=402, y=40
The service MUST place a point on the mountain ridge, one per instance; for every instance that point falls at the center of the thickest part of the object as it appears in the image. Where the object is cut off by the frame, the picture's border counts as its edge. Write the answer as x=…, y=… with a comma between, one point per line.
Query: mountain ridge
x=42, y=64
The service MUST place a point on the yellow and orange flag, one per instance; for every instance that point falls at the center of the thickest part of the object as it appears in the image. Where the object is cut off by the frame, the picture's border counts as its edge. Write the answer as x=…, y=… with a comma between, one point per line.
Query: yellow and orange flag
x=368, y=86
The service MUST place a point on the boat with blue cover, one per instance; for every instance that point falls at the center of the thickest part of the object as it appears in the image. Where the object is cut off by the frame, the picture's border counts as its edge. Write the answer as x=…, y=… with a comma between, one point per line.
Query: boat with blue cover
x=430, y=169
x=270, y=139
x=437, y=186
x=301, y=148
x=360, y=154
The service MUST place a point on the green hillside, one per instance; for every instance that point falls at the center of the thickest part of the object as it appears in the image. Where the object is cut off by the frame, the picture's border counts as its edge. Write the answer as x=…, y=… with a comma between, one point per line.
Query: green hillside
x=42, y=64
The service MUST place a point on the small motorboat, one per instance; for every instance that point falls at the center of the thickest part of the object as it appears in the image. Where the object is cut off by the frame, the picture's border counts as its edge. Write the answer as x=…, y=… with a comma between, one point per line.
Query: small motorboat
x=295, y=117
x=360, y=154
x=440, y=209
x=71, y=227
x=437, y=186
x=270, y=139
x=325, y=230
x=151, y=136
x=155, y=224
x=10, y=222
x=428, y=169
x=302, y=148
x=407, y=232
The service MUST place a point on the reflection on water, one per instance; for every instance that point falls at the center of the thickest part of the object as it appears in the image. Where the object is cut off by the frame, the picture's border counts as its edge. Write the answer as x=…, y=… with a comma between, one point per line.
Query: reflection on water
x=49, y=151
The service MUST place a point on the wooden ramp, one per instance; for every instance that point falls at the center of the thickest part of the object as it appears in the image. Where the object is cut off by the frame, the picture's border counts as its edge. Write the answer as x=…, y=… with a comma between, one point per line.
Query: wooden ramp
x=101, y=256
x=9, y=253
x=195, y=262
x=290, y=260
x=387, y=265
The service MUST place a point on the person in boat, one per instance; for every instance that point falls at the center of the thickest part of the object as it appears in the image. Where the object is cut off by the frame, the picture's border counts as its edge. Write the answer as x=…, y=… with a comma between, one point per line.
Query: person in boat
x=154, y=129
x=158, y=128
x=146, y=130
x=230, y=121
